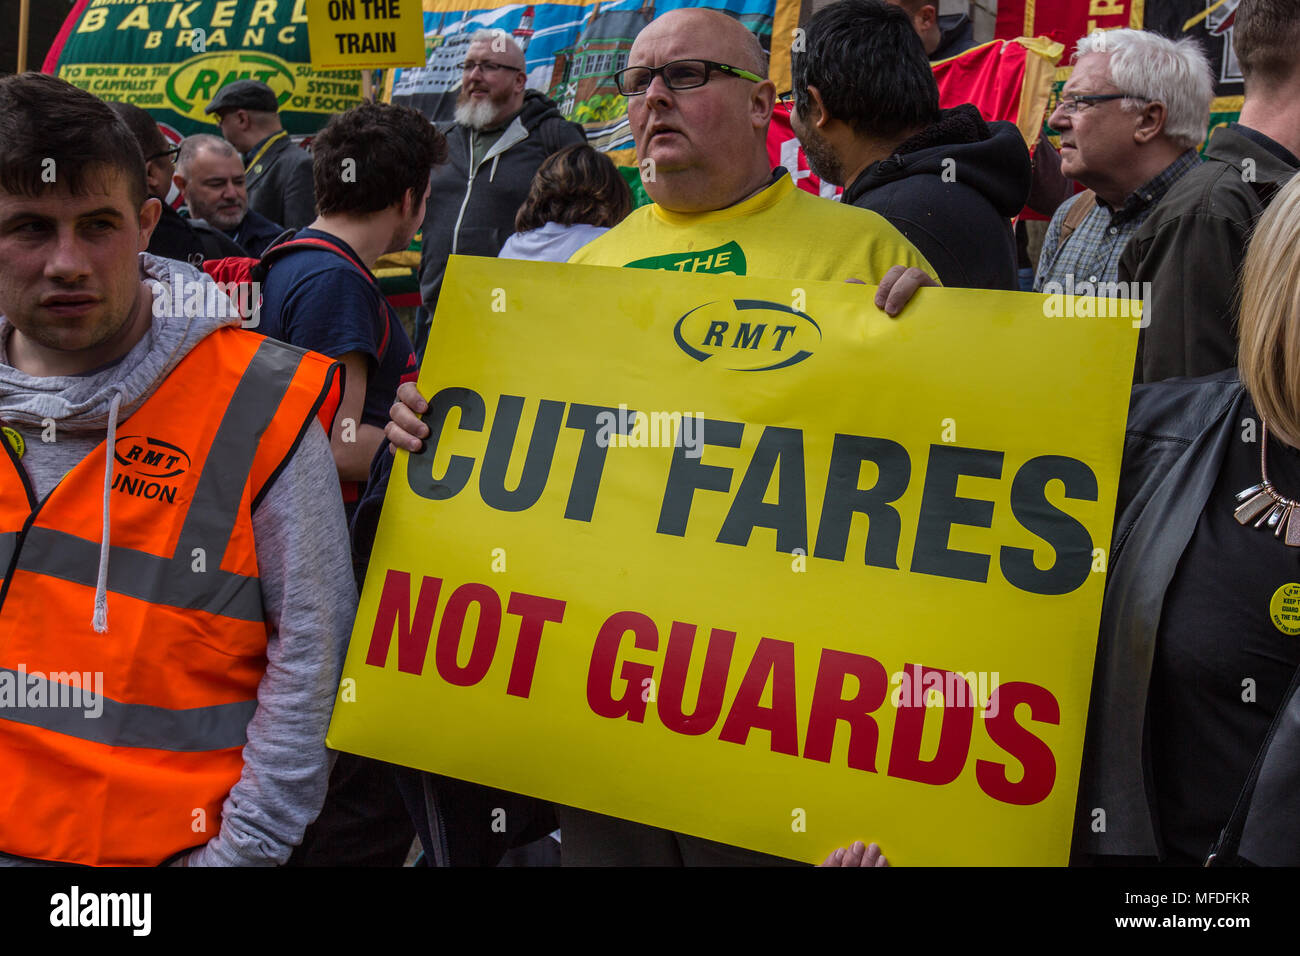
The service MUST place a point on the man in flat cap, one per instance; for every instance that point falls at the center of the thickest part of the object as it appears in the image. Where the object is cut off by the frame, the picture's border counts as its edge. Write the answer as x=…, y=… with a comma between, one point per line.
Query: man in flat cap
x=276, y=172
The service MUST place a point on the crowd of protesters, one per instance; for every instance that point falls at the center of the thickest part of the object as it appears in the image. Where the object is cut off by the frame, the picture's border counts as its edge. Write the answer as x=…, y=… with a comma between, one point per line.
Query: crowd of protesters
x=285, y=513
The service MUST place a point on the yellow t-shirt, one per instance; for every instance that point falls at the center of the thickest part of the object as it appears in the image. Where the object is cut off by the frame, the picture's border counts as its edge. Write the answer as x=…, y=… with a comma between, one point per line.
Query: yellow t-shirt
x=782, y=232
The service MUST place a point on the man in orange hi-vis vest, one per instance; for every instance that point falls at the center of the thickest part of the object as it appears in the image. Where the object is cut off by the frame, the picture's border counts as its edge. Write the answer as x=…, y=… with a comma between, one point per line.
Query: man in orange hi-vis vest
x=177, y=589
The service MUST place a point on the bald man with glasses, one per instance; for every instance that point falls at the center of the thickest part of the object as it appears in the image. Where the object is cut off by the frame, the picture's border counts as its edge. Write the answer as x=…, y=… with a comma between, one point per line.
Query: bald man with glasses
x=501, y=134
x=698, y=104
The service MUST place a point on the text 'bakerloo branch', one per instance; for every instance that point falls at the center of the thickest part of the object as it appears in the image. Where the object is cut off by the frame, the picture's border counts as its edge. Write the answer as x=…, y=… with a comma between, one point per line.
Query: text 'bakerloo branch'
x=637, y=663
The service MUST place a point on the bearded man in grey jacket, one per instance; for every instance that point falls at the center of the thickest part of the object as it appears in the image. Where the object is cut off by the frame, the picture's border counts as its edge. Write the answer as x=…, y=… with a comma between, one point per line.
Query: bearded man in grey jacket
x=502, y=134
x=216, y=666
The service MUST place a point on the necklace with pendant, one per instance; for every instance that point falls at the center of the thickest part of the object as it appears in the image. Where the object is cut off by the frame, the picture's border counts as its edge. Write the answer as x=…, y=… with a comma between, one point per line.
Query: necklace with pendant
x=1263, y=505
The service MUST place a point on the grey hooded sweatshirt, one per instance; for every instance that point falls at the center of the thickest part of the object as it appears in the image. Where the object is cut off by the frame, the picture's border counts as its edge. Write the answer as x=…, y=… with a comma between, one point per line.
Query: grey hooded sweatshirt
x=303, y=558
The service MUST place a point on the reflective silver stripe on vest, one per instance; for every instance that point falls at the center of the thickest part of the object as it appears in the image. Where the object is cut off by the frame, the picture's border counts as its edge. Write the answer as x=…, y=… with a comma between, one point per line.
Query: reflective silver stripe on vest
x=209, y=521
x=89, y=716
x=7, y=542
x=138, y=574
x=211, y=518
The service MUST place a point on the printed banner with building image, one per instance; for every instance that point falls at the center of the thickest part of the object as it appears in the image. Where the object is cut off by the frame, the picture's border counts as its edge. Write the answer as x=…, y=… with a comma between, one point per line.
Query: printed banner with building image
x=572, y=49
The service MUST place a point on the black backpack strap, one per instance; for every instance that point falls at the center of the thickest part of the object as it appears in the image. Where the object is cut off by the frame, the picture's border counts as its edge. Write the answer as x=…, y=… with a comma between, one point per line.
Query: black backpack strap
x=1224, y=851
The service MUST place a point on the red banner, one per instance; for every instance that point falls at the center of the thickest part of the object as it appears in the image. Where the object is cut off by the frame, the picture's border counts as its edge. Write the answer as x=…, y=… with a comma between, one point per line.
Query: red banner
x=1065, y=21
x=1210, y=22
x=1005, y=80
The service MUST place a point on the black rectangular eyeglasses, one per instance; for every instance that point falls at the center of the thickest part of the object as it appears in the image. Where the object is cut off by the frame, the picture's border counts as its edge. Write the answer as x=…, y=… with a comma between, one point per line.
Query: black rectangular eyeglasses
x=677, y=74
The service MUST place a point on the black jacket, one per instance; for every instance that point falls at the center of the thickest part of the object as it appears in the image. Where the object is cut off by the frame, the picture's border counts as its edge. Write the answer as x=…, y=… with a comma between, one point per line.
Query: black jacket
x=176, y=237
x=956, y=36
x=256, y=233
x=280, y=185
x=471, y=212
x=1178, y=434
x=952, y=191
x=448, y=814
x=1191, y=249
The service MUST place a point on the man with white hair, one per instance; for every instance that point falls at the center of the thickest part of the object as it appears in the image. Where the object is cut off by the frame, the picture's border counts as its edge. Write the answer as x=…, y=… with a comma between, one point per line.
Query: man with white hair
x=210, y=175
x=1192, y=247
x=1130, y=118
x=502, y=133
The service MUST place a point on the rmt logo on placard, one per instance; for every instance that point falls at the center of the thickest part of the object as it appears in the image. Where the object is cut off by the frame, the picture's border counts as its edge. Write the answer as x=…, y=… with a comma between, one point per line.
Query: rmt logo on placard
x=149, y=465
x=747, y=335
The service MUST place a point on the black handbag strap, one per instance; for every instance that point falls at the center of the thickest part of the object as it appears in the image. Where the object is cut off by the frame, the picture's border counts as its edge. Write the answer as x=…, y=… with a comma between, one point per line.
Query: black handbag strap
x=1224, y=851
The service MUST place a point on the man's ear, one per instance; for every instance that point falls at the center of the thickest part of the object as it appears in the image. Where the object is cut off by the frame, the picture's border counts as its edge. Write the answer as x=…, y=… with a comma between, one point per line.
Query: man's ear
x=761, y=101
x=409, y=203
x=817, y=114
x=150, y=213
x=179, y=182
x=154, y=178
x=1150, y=122
x=927, y=16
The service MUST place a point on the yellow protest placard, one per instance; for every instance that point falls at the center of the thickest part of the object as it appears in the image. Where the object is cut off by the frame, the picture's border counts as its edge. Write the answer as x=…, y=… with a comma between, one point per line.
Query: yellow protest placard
x=365, y=34
x=748, y=561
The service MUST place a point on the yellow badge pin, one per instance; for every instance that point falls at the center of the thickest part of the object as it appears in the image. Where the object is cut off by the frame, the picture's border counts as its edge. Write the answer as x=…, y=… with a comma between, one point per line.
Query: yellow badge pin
x=1284, y=609
x=15, y=441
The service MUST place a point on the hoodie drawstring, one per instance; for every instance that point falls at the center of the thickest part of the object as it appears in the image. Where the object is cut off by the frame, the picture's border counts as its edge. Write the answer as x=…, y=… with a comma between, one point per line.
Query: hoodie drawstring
x=100, y=619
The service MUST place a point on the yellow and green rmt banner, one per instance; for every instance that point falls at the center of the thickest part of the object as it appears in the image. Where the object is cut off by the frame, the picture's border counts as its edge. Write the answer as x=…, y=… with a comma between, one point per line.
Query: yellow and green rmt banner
x=171, y=59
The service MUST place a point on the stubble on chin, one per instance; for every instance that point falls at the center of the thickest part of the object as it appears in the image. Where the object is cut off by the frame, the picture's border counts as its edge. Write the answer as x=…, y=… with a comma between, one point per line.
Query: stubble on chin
x=102, y=332
x=227, y=221
x=823, y=161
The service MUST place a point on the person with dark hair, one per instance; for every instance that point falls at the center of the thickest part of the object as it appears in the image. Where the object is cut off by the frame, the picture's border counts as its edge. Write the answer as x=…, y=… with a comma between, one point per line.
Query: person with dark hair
x=278, y=174
x=866, y=109
x=950, y=36
x=576, y=195
x=178, y=576
x=371, y=175
x=174, y=237
x=371, y=169
x=1191, y=248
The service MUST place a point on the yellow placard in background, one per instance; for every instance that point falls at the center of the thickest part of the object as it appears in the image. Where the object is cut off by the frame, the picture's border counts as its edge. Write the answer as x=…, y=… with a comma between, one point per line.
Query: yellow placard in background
x=365, y=34
x=851, y=591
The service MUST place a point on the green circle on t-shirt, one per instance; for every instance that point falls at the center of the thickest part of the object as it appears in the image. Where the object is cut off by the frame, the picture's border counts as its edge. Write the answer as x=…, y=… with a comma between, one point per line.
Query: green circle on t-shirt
x=1284, y=609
